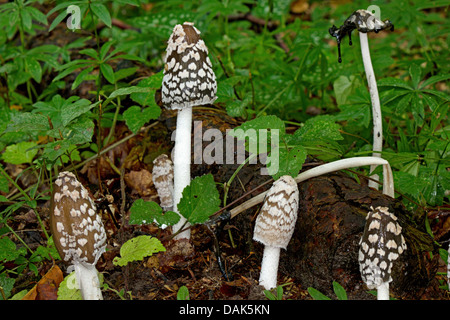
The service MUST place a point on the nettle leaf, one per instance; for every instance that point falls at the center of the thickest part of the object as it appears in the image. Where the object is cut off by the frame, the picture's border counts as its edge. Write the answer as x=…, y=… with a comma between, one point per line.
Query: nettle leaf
x=148, y=98
x=9, y=251
x=199, y=200
x=137, y=249
x=146, y=212
x=257, y=133
x=290, y=162
x=22, y=152
x=318, y=128
x=135, y=117
x=28, y=123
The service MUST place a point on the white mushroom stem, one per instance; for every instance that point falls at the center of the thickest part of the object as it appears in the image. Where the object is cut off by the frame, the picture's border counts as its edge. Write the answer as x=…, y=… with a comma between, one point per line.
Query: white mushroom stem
x=269, y=267
x=88, y=282
x=383, y=291
x=388, y=180
x=182, y=166
x=375, y=99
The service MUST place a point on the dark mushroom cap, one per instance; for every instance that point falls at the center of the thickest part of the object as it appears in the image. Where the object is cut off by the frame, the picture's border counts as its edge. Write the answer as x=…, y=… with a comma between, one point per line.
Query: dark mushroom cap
x=275, y=223
x=381, y=244
x=77, y=229
x=189, y=79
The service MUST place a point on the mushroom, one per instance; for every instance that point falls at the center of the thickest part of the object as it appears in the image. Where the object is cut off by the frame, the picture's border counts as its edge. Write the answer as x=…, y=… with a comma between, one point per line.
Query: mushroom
x=381, y=244
x=188, y=81
x=275, y=225
x=388, y=180
x=162, y=176
x=364, y=21
x=78, y=232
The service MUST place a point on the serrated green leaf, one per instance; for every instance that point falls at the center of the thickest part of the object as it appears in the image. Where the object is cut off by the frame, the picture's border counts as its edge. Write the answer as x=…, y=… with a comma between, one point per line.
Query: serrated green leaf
x=27, y=122
x=7, y=284
x=257, y=133
x=319, y=127
x=71, y=111
x=20, y=153
x=147, y=98
x=199, y=200
x=9, y=251
x=146, y=212
x=137, y=249
x=135, y=117
x=290, y=162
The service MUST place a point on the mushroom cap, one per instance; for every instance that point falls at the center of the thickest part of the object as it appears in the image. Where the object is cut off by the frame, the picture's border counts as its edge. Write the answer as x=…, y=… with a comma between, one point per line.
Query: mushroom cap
x=162, y=176
x=275, y=223
x=77, y=229
x=365, y=21
x=381, y=244
x=189, y=79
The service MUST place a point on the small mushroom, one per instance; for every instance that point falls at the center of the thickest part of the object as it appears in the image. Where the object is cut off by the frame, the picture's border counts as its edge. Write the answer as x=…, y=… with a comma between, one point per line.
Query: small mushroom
x=364, y=21
x=188, y=81
x=381, y=244
x=275, y=225
x=162, y=176
x=78, y=232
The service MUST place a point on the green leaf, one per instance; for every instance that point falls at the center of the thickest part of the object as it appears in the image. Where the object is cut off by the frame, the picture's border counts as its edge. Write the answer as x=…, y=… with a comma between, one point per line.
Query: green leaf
x=199, y=200
x=415, y=71
x=316, y=294
x=68, y=288
x=250, y=132
x=183, y=293
x=9, y=251
x=80, y=77
x=135, y=117
x=19, y=153
x=137, y=249
x=146, y=212
x=74, y=110
x=101, y=12
x=7, y=285
x=147, y=98
x=339, y=291
x=34, y=68
x=343, y=87
x=107, y=72
x=393, y=82
x=27, y=122
x=290, y=162
x=319, y=127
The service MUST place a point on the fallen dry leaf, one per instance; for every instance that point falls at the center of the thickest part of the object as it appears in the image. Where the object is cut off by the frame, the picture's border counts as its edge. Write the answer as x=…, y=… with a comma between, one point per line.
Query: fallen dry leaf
x=47, y=287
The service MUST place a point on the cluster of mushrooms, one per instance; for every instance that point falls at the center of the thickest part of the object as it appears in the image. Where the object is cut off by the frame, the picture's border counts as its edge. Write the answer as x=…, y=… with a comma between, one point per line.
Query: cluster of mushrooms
x=189, y=81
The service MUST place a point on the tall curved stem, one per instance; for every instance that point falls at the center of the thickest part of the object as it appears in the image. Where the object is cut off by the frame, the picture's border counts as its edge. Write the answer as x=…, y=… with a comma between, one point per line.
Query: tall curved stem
x=375, y=99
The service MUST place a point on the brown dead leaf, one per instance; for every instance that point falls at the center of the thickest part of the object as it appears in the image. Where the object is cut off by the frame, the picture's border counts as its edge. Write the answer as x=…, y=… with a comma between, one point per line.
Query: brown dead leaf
x=140, y=181
x=47, y=287
x=299, y=6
